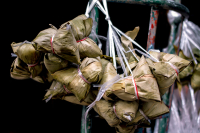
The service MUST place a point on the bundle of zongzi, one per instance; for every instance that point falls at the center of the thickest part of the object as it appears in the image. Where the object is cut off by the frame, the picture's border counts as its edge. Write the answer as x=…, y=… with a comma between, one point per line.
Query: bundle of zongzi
x=188, y=70
x=145, y=84
x=56, y=91
x=151, y=109
x=19, y=70
x=78, y=80
x=60, y=42
x=54, y=63
x=167, y=69
x=60, y=91
x=81, y=28
x=105, y=109
x=27, y=53
x=125, y=110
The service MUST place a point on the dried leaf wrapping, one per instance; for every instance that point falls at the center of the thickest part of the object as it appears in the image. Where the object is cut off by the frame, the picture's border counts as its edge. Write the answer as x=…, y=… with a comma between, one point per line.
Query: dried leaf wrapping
x=92, y=71
x=87, y=101
x=146, y=84
x=59, y=91
x=105, y=109
x=196, y=54
x=151, y=109
x=195, y=78
x=108, y=74
x=196, y=74
x=54, y=63
x=65, y=45
x=44, y=76
x=127, y=43
x=19, y=70
x=27, y=53
x=132, y=64
x=56, y=90
x=188, y=70
x=126, y=110
x=81, y=26
x=123, y=128
x=88, y=48
x=42, y=40
x=164, y=73
x=60, y=42
x=105, y=60
x=177, y=61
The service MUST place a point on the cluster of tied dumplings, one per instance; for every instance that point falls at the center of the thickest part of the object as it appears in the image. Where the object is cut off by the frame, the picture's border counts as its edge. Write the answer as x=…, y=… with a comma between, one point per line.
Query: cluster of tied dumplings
x=72, y=62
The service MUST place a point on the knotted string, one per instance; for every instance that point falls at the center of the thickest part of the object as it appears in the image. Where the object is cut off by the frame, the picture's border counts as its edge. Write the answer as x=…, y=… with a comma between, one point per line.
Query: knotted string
x=27, y=42
x=82, y=39
x=49, y=96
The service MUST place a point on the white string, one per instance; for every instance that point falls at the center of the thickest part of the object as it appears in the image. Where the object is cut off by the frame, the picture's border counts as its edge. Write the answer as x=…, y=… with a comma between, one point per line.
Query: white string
x=133, y=54
x=196, y=45
x=87, y=9
x=150, y=57
x=189, y=47
x=192, y=97
x=112, y=48
x=100, y=44
x=144, y=115
x=102, y=37
x=128, y=47
x=120, y=56
x=23, y=43
x=124, y=57
x=49, y=96
x=100, y=94
x=90, y=7
x=118, y=31
x=13, y=55
x=132, y=41
x=101, y=7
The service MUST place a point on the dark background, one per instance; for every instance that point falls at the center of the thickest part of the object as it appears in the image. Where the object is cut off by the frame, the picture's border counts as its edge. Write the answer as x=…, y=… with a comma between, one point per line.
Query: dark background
x=23, y=107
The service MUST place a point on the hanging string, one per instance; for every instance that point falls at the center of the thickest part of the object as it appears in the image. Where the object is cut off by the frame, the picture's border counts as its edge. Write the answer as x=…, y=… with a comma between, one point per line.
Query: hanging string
x=89, y=8
x=196, y=45
x=49, y=96
x=100, y=44
x=13, y=55
x=190, y=49
x=27, y=42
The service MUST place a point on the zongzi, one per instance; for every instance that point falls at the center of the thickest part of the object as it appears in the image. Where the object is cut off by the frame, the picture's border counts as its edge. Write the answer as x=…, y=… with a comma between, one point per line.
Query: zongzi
x=78, y=80
x=146, y=87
